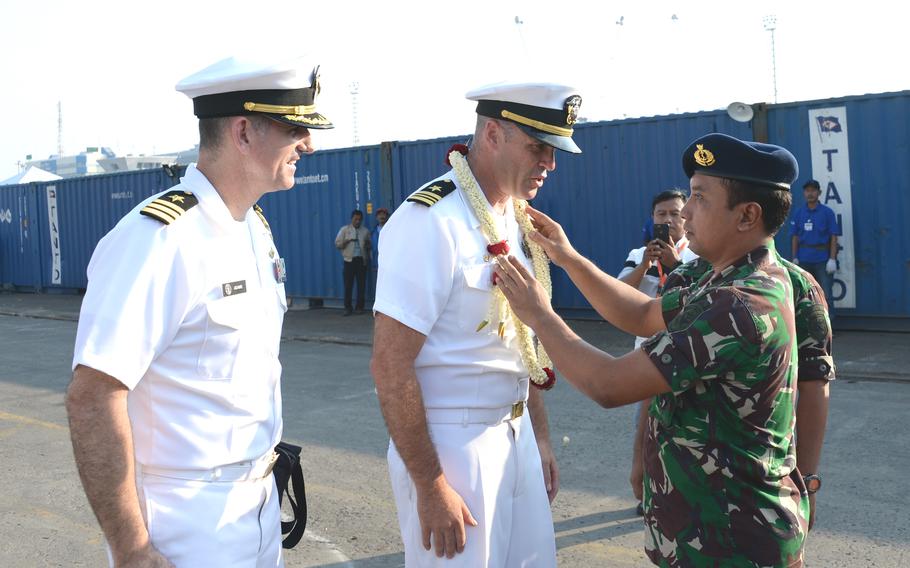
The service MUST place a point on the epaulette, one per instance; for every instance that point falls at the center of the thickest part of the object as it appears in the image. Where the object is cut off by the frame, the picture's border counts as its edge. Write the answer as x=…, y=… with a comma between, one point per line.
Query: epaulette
x=431, y=193
x=262, y=218
x=170, y=206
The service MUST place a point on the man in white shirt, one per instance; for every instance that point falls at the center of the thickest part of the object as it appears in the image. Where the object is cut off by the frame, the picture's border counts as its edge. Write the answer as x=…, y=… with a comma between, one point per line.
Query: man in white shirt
x=471, y=469
x=175, y=401
x=647, y=267
x=353, y=240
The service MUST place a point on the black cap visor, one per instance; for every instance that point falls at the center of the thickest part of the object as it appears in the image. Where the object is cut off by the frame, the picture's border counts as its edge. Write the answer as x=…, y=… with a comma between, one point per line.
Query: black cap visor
x=564, y=143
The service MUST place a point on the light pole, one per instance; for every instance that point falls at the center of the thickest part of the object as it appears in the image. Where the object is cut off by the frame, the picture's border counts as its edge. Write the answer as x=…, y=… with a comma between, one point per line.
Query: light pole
x=770, y=23
x=355, y=91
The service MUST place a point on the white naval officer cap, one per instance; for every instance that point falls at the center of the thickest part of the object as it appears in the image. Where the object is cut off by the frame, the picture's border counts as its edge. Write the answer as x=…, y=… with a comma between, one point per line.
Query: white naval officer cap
x=545, y=111
x=236, y=86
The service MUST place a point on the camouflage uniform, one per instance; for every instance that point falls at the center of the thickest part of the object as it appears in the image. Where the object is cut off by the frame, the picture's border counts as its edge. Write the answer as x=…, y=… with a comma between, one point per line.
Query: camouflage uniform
x=721, y=484
x=813, y=327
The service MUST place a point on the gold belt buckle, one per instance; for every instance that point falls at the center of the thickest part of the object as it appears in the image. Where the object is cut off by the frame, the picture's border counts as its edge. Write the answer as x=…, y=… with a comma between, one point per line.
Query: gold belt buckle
x=271, y=466
x=518, y=409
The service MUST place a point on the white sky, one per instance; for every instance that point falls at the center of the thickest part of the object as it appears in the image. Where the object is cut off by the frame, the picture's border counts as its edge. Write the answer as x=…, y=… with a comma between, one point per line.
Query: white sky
x=114, y=63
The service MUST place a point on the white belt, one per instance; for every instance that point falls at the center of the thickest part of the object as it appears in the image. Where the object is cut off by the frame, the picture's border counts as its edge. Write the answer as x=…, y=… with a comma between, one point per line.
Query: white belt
x=475, y=415
x=241, y=471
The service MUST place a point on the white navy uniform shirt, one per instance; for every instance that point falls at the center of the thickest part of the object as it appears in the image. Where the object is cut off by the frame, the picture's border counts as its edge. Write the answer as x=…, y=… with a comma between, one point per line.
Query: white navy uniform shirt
x=201, y=363
x=650, y=282
x=433, y=278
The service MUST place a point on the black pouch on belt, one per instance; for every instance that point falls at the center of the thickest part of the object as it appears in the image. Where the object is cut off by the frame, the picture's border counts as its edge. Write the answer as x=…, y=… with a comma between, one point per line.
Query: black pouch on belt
x=289, y=475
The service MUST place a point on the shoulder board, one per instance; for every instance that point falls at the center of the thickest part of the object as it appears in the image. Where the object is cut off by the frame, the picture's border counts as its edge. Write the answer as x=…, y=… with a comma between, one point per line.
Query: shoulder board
x=431, y=193
x=170, y=206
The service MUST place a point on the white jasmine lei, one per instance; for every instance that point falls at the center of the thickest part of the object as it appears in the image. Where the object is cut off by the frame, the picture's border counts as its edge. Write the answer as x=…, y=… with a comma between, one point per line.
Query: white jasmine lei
x=533, y=354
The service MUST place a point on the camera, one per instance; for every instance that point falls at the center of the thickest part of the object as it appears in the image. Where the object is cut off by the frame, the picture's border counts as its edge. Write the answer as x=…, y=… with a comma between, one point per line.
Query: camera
x=662, y=232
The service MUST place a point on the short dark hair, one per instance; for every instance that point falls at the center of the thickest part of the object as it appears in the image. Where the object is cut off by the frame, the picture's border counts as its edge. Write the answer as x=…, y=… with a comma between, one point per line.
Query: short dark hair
x=211, y=130
x=356, y=212
x=774, y=202
x=667, y=195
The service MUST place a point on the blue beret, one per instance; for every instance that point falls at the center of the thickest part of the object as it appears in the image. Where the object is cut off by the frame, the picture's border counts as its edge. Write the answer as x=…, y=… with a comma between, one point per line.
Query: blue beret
x=719, y=155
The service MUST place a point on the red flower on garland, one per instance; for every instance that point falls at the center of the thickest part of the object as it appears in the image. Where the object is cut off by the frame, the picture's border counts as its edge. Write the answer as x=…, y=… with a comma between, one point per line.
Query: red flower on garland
x=496, y=249
x=460, y=148
x=551, y=380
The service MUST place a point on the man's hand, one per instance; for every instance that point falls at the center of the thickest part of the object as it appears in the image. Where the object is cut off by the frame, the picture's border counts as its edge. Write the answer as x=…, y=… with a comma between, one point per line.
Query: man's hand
x=666, y=253
x=551, y=238
x=525, y=294
x=146, y=557
x=550, y=469
x=831, y=266
x=443, y=514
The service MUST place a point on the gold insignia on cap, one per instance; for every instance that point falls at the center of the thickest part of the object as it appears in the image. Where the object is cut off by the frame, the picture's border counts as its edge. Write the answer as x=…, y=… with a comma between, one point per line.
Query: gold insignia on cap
x=279, y=109
x=318, y=120
x=316, y=86
x=573, y=104
x=542, y=126
x=703, y=157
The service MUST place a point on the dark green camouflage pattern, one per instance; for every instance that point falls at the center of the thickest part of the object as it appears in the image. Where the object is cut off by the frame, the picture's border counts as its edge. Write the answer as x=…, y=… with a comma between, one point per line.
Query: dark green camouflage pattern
x=813, y=326
x=721, y=485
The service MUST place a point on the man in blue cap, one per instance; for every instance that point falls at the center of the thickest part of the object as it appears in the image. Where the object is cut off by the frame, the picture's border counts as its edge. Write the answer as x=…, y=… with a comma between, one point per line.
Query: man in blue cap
x=175, y=403
x=721, y=483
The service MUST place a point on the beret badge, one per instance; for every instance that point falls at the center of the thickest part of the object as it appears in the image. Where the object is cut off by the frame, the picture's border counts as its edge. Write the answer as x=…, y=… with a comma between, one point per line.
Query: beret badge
x=703, y=157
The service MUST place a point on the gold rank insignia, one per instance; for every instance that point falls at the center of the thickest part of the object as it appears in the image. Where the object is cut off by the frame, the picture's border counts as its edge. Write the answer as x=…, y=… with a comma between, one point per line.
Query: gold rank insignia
x=703, y=157
x=431, y=193
x=169, y=207
x=262, y=218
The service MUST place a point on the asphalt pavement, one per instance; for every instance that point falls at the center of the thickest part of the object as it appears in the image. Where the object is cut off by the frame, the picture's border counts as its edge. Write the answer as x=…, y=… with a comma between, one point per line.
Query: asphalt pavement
x=330, y=409
x=859, y=355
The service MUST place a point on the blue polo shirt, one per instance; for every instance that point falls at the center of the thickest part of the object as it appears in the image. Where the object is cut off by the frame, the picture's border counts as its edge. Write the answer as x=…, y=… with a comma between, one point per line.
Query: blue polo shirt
x=814, y=228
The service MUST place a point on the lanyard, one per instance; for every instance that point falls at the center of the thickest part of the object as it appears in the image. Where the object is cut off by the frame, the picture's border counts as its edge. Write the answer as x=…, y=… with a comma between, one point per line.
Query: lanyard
x=680, y=247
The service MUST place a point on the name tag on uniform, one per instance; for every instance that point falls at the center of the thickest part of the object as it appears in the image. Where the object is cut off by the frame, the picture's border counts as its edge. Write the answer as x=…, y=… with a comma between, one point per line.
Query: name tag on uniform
x=807, y=226
x=232, y=288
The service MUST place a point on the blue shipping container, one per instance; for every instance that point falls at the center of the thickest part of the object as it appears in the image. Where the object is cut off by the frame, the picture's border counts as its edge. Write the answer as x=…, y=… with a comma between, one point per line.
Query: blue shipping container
x=19, y=243
x=602, y=197
x=87, y=208
x=304, y=220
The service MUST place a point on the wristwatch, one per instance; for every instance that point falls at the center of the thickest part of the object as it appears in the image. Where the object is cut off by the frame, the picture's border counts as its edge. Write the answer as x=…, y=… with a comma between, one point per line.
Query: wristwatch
x=813, y=483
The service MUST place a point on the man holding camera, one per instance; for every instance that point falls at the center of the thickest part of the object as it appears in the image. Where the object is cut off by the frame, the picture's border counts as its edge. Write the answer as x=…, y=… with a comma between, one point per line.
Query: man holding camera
x=647, y=268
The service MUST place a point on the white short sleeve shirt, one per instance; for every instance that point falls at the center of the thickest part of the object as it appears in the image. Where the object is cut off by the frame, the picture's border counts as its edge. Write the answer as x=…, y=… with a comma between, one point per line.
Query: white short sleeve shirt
x=435, y=276
x=650, y=282
x=188, y=316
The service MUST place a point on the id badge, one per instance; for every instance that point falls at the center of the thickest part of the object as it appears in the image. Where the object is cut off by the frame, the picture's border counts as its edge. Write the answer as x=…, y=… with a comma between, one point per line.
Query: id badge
x=807, y=226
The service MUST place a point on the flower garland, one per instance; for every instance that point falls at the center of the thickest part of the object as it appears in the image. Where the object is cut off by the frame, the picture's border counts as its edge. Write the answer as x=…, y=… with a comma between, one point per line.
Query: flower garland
x=535, y=358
